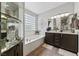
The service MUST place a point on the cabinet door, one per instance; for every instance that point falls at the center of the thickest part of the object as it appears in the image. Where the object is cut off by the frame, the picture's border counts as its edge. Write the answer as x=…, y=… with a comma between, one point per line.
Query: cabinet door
x=70, y=42
x=49, y=37
x=10, y=52
x=21, y=49
x=57, y=39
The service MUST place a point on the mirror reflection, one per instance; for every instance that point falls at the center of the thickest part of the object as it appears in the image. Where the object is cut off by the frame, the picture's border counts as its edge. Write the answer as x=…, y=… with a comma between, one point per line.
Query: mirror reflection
x=64, y=22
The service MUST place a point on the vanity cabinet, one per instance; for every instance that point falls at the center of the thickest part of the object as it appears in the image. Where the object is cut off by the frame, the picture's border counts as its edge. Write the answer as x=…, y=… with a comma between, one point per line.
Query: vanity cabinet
x=49, y=38
x=61, y=40
x=69, y=42
x=53, y=39
x=16, y=50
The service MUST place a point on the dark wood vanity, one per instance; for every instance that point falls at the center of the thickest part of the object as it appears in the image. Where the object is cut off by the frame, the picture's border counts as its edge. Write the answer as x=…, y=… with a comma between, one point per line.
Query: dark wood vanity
x=62, y=40
x=16, y=50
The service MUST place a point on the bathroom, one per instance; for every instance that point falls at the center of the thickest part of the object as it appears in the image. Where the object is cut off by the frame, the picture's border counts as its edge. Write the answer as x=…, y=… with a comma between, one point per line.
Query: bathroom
x=39, y=28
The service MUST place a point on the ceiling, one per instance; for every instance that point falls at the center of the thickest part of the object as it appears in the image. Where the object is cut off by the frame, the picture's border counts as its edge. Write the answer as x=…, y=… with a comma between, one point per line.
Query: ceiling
x=40, y=7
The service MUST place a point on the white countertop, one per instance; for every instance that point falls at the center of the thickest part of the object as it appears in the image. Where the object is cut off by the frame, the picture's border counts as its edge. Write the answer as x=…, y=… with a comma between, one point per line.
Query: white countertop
x=62, y=32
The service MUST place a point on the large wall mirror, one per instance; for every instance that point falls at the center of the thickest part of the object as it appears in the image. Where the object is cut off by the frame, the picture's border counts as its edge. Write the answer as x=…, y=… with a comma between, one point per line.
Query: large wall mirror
x=67, y=22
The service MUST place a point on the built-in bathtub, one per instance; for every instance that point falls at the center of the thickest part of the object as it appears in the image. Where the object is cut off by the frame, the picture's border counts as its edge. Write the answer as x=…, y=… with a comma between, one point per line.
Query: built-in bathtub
x=32, y=42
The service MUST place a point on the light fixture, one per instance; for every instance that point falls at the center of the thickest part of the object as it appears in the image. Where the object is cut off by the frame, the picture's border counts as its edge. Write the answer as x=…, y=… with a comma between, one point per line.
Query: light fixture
x=52, y=17
x=2, y=16
x=67, y=14
x=62, y=15
x=55, y=16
